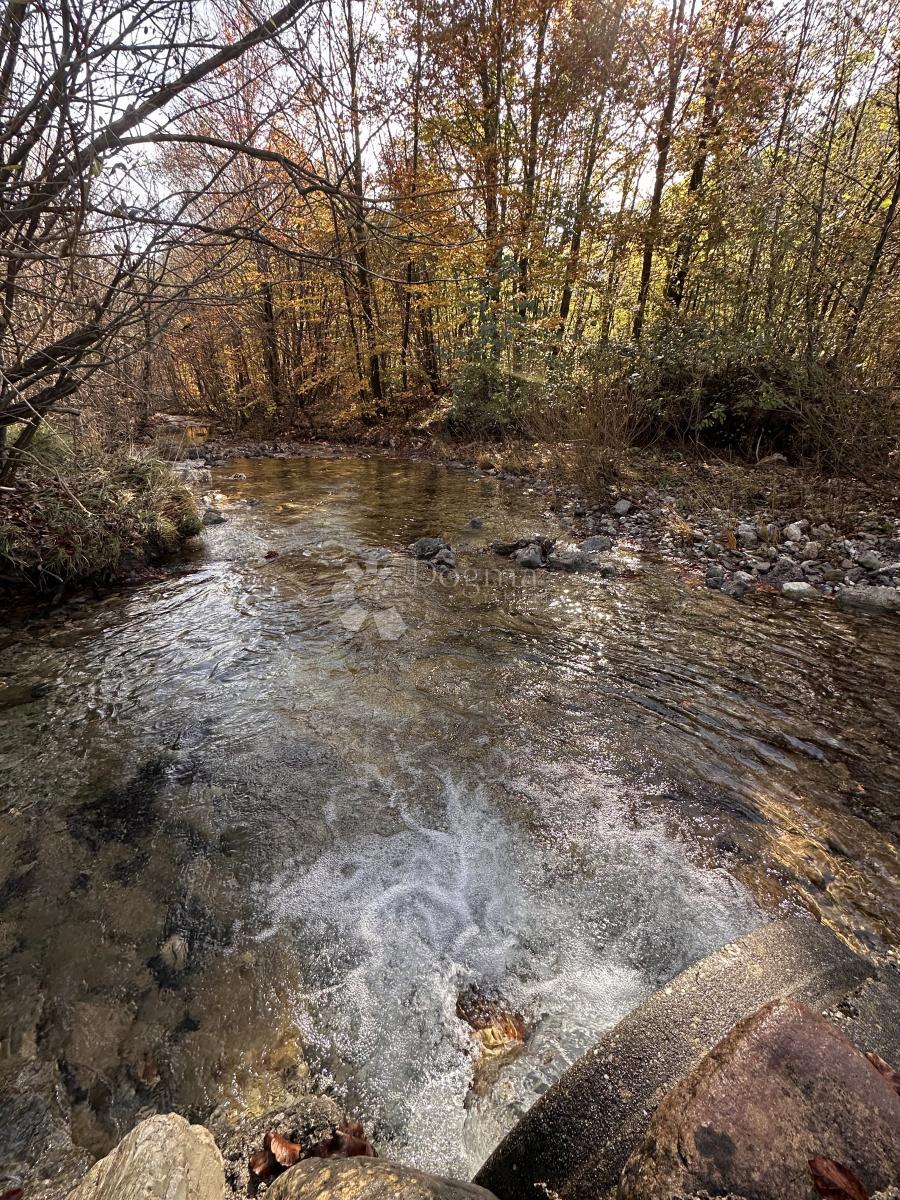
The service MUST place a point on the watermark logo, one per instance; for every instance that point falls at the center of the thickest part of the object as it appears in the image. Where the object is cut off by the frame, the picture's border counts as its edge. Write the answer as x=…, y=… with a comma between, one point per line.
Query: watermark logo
x=360, y=593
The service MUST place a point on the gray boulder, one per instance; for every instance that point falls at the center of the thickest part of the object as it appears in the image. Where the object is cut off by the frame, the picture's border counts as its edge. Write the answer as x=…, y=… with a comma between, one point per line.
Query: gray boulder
x=597, y=542
x=869, y=560
x=746, y=535
x=739, y=584
x=793, y=532
x=784, y=1086
x=622, y=508
x=367, y=1179
x=444, y=558
x=163, y=1158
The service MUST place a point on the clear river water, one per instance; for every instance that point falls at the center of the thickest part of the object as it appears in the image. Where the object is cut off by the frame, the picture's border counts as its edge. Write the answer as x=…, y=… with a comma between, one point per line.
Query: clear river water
x=272, y=814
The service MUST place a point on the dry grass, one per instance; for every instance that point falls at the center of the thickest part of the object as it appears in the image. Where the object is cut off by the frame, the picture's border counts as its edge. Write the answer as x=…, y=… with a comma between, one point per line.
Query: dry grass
x=91, y=519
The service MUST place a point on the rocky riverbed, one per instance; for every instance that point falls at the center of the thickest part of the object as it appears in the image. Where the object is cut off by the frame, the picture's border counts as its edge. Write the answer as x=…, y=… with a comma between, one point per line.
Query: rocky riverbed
x=800, y=555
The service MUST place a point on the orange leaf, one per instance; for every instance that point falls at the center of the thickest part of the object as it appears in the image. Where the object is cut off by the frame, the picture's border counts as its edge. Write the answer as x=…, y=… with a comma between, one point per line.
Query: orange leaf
x=833, y=1181
x=885, y=1069
x=286, y=1152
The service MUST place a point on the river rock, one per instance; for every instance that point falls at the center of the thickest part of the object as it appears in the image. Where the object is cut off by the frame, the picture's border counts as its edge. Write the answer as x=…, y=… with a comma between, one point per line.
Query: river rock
x=367, y=1179
x=799, y=591
x=214, y=516
x=427, y=547
x=163, y=1158
x=622, y=508
x=444, y=558
x=785, y=570
x=597, y=542
x=869, y=560
x=530, y=556
x=746, y=535
x=565, y=560
x=879, y=599
x=739, y=584
x=785, y=1085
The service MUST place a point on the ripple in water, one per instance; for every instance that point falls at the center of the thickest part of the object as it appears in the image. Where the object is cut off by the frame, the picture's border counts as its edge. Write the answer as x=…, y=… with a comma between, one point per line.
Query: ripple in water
x=574, y=932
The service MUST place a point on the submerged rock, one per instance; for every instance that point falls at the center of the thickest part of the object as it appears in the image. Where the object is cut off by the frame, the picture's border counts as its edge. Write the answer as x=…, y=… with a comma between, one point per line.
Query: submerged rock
x=163, y=1158
x=425, y=548
x=499, y=1031
x=36, y=1147
x=784, y=1086
x=368, y=1179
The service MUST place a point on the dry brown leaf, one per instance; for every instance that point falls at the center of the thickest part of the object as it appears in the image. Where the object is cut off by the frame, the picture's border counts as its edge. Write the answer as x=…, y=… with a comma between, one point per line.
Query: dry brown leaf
x=263, y=1164
x=286, y=1152
x=833, y=1181
x=347, y=1141
x=885, y=1069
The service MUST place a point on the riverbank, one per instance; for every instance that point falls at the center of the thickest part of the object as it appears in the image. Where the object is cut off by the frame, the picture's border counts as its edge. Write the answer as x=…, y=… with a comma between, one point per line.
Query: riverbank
x=100, y=519
x=732, y=527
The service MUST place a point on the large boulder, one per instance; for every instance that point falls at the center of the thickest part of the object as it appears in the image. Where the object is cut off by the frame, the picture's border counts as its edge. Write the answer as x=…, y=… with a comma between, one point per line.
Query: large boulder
x=577, y=1138
x=785, y=1086
x=163, y=1158
x=367, y=1179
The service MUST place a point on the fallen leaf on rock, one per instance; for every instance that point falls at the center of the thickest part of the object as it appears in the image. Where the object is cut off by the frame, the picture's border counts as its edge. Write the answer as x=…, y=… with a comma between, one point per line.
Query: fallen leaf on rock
x=347, y=1141
x=263, y=1164
x=885, y=1069
x=286, y=1152
x=833, y=1181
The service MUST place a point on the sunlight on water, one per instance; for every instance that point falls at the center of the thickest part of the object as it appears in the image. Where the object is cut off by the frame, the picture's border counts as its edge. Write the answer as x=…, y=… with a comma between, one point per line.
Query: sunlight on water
x=393, y=928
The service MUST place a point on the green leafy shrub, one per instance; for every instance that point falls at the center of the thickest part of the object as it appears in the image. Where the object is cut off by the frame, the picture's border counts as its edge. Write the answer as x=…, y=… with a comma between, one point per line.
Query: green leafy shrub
x=485, y=402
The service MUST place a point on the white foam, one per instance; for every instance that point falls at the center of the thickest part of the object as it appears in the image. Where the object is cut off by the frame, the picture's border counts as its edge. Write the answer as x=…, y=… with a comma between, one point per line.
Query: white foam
x=574, y=930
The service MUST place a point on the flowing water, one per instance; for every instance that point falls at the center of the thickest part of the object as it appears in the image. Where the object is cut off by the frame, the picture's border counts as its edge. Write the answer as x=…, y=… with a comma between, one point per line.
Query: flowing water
x=277, y=811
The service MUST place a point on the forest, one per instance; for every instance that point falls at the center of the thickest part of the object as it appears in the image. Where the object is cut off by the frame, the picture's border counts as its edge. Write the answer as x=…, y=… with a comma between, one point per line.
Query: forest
x=601, y=225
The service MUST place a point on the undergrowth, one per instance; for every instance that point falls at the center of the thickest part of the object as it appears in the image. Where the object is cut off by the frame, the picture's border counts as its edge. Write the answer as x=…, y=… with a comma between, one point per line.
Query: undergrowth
x=77, y=519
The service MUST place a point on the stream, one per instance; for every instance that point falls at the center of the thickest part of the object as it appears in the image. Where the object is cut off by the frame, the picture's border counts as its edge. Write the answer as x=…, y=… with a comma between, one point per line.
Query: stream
x=263, y=820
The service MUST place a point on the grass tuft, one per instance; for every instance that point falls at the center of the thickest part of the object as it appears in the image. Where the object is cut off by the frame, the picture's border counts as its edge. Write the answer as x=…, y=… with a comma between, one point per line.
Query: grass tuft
x=91, y=519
